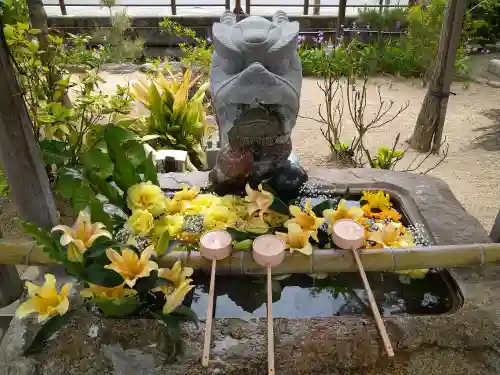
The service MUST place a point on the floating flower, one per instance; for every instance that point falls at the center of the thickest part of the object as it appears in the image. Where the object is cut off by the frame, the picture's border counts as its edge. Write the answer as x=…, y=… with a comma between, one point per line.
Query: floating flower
x=353, y=213
x=219, y=217
x=45, y=300
x=81, y=236
x=97, y=291
x=389, y=213
x=130, y=266
x=255, y=225
x=258, y=200
x=391, y=235
x=187, y=194
x=306, y=220
x=377, y=200
x=146, y=196
x=296, y=239
x=414, y=274
x=235, y=204
x=171, y=223
x=141, y=222
x=175, y=298
x=275, y=219
x=177, y=274
x=200, y=204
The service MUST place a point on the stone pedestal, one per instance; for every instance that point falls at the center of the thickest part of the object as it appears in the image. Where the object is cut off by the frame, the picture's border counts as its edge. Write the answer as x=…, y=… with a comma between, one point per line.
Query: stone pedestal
x=462, y=343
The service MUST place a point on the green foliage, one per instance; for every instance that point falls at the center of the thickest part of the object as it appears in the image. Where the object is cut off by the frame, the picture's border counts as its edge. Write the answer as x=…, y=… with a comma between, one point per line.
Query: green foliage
x=13, y=11
x=4, y=185
x=117, y=307
x=117, y=161
x=389, y=19
x=483, y=22
x=197, y=51
x=120, y=45
x=387, y=158
x=175, y=120
x=46, y=241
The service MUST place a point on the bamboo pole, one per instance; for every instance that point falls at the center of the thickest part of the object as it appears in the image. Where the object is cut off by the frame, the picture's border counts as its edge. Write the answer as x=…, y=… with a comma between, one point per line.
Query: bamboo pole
x=448, y=256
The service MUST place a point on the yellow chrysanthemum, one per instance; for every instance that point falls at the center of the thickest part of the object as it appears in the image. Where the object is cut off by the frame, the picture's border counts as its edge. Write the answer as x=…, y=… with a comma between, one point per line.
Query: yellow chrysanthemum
x=306, y=220
x=296, y=239
x=45, y=300
x=377, y=200
x=141, y=222
x=218, y=217
x=81, y=236
x=130, y=265
x=171, y=223
x=353, y=213
x=389, y=213
x=146, y=196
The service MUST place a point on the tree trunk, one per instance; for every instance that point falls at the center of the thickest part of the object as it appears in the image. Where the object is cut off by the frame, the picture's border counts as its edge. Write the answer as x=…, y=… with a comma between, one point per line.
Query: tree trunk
x=428, y=130
x=316, y=8
x=38, y=19
x=340, y=19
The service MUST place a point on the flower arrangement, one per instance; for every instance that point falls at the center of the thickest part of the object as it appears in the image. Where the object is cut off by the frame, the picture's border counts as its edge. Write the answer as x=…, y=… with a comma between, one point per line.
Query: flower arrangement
x=128, y=222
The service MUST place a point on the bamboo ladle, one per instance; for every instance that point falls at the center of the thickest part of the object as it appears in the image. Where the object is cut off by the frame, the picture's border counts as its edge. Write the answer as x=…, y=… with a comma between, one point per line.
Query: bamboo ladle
x=349, y=235
x=214, y=245
x=269, y=251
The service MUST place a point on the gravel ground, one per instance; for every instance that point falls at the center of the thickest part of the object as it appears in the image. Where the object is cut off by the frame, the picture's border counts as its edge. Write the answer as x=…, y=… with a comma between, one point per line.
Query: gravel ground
x=472, y=131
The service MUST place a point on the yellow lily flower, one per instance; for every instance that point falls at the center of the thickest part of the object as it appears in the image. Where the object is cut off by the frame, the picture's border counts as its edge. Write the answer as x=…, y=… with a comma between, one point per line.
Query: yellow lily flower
x=258, y=200
x=296, y=239
x=377, y=200
x=177, y=274
x=391, y=235
x=141, y=222
x=175, y=298
x=171, y=223
x=187, y=194
x=130, y=266
x=82, y=235
x=353, y=213
x=107, y=293
x=235, y=204
x=307, y=220
x=146, y=196
x=45, y=300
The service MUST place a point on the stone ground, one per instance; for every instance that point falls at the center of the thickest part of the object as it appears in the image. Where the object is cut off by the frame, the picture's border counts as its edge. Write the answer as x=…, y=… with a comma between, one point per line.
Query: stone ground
x=472, y=131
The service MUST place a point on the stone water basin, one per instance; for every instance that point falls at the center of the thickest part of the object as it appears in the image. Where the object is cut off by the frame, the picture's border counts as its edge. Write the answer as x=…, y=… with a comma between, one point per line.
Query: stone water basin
x=300, y=295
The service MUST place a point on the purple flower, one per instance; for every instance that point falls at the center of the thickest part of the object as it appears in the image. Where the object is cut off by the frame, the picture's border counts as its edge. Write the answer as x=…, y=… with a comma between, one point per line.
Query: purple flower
x=209, y=40
x=300, y=40
x=320, y=38
x=485, y=51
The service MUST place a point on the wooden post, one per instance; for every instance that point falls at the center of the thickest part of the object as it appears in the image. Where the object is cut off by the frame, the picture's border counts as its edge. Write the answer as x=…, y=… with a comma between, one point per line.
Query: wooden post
x=340, y=19
x=63, y=7
x=173, y=7
x=248, y=7
x=228, y=4
x=495, y=231
x=428, y=131
x=22, y=163
x=316, y=8
x=306, y=7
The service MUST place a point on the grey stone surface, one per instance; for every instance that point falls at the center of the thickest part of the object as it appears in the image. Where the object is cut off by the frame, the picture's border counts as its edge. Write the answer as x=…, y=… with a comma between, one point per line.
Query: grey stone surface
x=466, y=342
x=494, y=67
x=255, y=81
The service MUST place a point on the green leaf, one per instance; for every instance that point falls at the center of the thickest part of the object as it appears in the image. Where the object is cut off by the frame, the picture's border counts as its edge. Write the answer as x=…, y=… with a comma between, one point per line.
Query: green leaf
x=172, y=324
x=135, y=152
x=99, y=275
x=96, y=158
x=124, y=173
x=148, y=168
x=119, y=134
x=243, y=245
x=145, y=284
x=75, y=269
x=163, y=244
x=54, y=152
x=150, y=137
x=98, y=215
x=325, y=205
x=105, y=188
x=279, y=206
x=98, y=248
x=185, y=313
x=122, y=306
x=239, y=236
x=50, y=327
x=45, y=240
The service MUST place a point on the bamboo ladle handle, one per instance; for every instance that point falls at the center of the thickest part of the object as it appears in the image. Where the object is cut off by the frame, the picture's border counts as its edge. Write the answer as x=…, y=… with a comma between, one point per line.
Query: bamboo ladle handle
x=270, y=325
x=374, y=307
x=210, y=310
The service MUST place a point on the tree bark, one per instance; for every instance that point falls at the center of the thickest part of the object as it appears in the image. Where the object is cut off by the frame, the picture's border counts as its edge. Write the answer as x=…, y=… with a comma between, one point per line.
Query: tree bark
x=428, y=130
x=38, y=19
x=340, y=19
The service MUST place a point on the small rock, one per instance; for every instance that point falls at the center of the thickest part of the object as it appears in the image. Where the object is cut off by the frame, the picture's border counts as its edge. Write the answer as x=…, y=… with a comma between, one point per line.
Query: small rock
x=120, y=68
x=494, y=67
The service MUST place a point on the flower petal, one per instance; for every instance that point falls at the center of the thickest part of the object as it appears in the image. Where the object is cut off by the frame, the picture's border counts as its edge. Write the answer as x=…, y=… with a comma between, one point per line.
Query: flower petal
x=63, y=307
x=26, y=308
x=33, y=289
x=114, y=256
x=66, y=288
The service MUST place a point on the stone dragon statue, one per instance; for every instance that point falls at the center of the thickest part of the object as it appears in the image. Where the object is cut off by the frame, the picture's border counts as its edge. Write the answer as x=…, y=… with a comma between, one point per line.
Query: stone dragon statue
x=256, y=79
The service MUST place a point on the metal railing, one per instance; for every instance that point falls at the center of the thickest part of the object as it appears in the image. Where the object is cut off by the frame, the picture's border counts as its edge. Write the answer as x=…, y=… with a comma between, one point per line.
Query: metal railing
x=238, y=9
